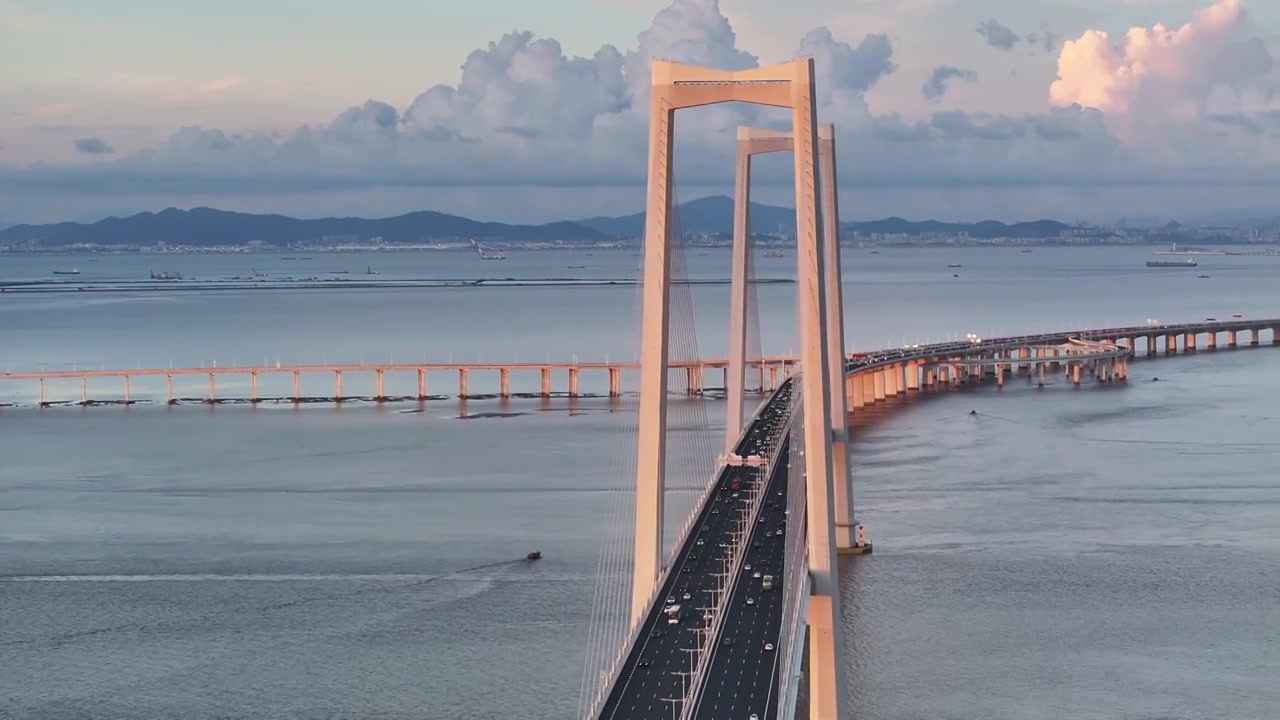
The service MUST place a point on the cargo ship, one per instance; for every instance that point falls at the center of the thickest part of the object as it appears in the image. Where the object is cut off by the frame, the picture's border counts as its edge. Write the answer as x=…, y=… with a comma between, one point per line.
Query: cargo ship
x=1172, y=263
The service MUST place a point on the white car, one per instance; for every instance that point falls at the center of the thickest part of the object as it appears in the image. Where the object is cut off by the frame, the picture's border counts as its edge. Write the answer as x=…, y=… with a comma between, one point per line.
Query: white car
x=751, y=601
x=768, y=647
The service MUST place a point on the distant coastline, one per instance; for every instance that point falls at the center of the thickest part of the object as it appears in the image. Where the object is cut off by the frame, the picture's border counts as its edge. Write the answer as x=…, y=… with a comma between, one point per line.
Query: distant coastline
x=1233, y=248
x=705, y=222
x=133, y=286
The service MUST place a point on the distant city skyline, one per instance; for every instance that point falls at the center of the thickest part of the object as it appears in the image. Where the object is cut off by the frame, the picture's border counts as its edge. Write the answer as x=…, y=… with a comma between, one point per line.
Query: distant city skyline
x=959, y=111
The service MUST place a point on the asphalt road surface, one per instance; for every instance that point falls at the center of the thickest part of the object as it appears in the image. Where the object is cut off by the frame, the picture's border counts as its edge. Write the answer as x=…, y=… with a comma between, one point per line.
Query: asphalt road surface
x=651, y=676
x=742, y=678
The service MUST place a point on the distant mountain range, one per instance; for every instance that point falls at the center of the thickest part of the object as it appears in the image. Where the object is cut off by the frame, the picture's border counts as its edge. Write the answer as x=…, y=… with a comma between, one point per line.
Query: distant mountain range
x=715, y=215
x=206, y=227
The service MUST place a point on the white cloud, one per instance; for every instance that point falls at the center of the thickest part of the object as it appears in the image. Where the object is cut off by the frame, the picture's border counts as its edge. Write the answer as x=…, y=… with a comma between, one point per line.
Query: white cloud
x=525, y=114
x=1159, y=77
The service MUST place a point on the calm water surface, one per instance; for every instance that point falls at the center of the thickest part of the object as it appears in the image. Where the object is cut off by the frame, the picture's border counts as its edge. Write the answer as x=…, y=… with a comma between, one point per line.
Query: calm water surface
x=1093, y=553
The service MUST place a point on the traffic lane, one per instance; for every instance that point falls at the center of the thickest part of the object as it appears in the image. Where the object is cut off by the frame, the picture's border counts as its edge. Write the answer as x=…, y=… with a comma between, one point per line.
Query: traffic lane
x=671, y=657
x=742, y=677
x=649, y=669
x=664, y=647
x=661, y=652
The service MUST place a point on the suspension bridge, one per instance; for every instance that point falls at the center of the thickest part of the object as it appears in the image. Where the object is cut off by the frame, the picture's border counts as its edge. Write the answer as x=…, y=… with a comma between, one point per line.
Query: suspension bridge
x=744, y=608
x=717, y=593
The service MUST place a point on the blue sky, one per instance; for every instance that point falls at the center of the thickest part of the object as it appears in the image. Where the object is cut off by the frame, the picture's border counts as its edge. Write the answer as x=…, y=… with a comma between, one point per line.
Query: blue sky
x=94, y=98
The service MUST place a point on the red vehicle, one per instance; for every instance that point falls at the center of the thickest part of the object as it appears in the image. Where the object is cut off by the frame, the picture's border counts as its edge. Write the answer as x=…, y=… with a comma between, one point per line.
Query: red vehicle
x=857, y=356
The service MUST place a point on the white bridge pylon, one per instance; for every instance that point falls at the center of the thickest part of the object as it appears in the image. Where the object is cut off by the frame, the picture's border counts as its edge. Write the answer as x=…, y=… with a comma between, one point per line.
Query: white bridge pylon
x=791, y=86
x=754, y=141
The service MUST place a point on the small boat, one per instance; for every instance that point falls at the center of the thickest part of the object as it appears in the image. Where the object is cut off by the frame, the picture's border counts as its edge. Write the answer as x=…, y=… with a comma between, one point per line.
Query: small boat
x=535, y=555
x=67, y=272
x=955, y=266
x=1202, y=277
x=371, y=271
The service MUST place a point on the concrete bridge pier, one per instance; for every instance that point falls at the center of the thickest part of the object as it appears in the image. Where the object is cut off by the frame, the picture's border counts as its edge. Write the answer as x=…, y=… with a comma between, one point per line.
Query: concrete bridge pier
x=463, y=392
x=573, y=382
x=1075, y=373
x=1170, y=344
x=1253, y=336
x=1231, y=338
x=546, y=383
x=213, y=390
x=1000, y=374
x=880, y=378
x=615, y=382
x=422, y=384
x=379, y=385
x=1275, y=336
x=253, y=388
x=1211, y=342
x=168, y=384
x=504, y=383
x=297, y=382
x=913, y=376
x=337, y=386
x=1189, y=342
x=1041, y=368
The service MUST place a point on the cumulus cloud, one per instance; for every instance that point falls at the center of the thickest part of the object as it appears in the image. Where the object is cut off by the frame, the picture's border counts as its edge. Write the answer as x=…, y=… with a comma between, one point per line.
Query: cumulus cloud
x=1157, y=76
x=524, y=113
x=936, y=86
x=92, y=146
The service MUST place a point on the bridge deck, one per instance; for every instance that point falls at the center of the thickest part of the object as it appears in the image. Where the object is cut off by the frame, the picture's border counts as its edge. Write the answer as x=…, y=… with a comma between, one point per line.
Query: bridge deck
x=651, y=673
x=742, y=678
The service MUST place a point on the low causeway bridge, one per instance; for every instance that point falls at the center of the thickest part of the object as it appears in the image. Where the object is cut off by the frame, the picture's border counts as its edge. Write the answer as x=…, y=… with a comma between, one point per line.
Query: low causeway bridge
x=1104, y=353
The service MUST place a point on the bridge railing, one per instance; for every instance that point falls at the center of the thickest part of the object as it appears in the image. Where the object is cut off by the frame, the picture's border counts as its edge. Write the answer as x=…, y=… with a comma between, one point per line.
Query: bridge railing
x=795, y=576
x=610, y=675
x=791, y=651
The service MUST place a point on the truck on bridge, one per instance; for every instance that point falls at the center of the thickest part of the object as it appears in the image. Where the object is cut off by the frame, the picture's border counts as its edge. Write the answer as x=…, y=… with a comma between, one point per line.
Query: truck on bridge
x=673, y=614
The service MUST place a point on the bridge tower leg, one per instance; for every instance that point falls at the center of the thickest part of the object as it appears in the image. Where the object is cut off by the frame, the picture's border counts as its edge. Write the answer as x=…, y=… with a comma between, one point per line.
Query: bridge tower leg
x=827, y=696
x=846, y=533
x=736, y=376
x=655, y=335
